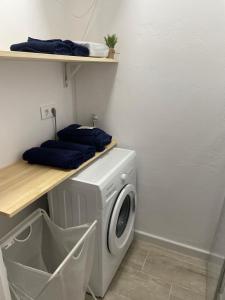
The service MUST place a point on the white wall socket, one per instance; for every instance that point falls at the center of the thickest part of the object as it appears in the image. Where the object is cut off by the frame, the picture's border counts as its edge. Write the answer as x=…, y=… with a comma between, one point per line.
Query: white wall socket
x=46, y=111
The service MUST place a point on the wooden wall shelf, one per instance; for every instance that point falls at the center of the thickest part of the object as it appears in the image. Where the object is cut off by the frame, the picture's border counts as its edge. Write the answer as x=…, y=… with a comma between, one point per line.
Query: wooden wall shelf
x=14, y=55
x=68, y=60
x=21, y=183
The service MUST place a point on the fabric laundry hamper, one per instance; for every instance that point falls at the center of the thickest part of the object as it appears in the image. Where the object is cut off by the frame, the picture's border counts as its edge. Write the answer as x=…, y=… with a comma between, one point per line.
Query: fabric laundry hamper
x=45, y=262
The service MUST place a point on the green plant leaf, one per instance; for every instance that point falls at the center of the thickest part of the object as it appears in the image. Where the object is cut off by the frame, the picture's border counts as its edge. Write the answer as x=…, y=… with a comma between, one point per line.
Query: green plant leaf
x=111, y=40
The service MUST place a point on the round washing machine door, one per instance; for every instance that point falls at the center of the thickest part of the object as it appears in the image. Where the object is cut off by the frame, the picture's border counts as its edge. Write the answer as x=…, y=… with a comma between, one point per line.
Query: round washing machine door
x=121, y=224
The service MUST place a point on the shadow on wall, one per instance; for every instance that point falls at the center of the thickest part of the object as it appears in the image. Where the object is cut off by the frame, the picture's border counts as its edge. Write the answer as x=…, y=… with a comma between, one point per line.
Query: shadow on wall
x=54, y=17
x=100, y=80
x=75, y=17
x=110, y=12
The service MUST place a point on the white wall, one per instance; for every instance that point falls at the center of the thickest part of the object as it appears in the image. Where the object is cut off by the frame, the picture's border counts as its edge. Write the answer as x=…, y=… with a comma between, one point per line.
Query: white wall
x=167, y=103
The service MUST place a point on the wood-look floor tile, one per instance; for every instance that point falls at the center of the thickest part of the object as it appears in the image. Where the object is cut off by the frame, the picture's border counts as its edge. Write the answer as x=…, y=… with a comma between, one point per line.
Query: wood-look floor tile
x=179, y=293
x=190, y=279
x=137, y=285
x=114, y=296
x=151, y=272
x=175, y=271
x=135, y=257
x=197, y=263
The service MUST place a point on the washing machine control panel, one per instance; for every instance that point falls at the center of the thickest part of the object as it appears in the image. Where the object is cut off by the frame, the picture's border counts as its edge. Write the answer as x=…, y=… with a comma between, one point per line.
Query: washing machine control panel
x=123, y=177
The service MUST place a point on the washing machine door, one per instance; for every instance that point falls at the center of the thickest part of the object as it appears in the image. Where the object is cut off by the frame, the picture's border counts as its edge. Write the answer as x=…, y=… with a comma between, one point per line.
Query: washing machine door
x=121, y=224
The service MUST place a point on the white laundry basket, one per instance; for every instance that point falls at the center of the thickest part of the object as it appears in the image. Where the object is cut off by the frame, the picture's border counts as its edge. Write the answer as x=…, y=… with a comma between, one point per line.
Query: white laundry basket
x=46, y=262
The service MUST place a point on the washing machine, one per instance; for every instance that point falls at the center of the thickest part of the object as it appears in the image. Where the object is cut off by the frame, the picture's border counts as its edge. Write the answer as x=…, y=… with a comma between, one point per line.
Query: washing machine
x=105, y=191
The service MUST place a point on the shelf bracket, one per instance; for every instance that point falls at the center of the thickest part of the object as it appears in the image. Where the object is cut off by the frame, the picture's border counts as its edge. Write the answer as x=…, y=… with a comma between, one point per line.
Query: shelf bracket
x=70, y=72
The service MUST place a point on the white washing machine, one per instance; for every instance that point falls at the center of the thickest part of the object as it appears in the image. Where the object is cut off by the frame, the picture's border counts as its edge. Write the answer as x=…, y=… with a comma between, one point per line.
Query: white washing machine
x=106, y=191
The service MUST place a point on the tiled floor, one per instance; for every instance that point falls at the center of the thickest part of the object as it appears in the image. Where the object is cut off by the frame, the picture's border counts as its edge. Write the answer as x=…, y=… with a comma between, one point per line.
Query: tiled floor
x=149, y=272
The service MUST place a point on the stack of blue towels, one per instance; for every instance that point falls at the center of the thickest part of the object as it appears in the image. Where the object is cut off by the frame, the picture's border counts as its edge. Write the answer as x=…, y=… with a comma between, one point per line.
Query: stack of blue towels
x=55, y=46
x=76, y=145
x=85, y=135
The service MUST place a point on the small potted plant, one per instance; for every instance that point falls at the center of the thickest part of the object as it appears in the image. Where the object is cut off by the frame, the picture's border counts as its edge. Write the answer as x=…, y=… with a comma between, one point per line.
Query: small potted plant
x=111, y=41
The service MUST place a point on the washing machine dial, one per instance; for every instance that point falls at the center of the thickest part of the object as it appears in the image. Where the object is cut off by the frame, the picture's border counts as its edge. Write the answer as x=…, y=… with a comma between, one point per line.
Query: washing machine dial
x=123, y=177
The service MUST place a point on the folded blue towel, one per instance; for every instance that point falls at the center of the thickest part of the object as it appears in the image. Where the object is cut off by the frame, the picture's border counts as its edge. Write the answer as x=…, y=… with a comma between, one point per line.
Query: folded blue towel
x=93, y=137
x=87, y=151
x=76, y=49
x=55, y=46
x=59, y=158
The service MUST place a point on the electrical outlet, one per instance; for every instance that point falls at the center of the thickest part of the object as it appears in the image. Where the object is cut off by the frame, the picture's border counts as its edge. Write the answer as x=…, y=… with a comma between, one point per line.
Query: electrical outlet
x=46, y=111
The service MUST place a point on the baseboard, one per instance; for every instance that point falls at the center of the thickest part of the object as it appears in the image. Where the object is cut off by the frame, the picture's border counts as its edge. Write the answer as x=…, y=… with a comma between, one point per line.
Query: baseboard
x=173, y=245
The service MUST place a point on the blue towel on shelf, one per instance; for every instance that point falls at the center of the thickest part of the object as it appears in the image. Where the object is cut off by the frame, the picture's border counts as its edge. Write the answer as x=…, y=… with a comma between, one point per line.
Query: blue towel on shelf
x=87, y=151
x=76, y=49
x=59, y=158
x=93, y=137
x=55, y=46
